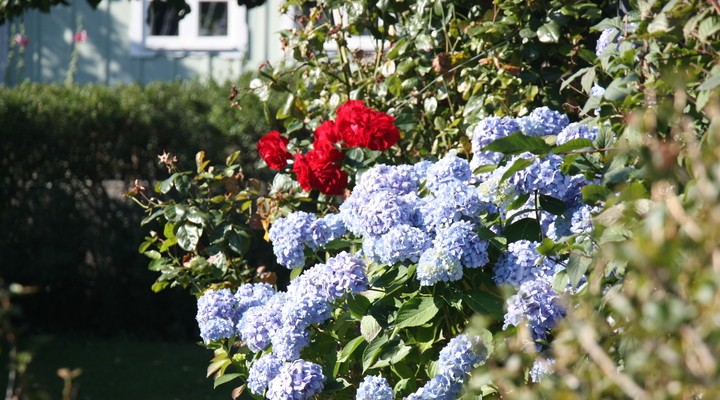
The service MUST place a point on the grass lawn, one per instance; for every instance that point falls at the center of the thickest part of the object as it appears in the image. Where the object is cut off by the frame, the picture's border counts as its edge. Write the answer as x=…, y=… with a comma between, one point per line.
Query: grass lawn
x=117, y=369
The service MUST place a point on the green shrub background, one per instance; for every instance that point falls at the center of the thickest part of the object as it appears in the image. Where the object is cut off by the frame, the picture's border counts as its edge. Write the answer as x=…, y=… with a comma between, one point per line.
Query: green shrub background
x=61, y=229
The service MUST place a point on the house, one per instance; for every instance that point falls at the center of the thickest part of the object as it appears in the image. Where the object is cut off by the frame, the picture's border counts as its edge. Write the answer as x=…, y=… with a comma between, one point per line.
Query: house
x=124, y=41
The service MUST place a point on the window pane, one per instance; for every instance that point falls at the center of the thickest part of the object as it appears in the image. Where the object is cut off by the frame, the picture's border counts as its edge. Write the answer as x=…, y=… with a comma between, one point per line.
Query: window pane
x=162, y=19
x=213, y=18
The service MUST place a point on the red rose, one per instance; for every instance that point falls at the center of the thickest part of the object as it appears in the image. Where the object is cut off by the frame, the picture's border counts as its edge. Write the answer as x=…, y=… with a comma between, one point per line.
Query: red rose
x=360, y=126
x=331, y=180
x=273, y=150
x=318, y=169
x=323, y=152
x=327, y=132
x=303, y=171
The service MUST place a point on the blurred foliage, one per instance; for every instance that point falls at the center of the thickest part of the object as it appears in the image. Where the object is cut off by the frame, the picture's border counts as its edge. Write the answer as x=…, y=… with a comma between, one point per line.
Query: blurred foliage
x=646, y=324
x=68, y=154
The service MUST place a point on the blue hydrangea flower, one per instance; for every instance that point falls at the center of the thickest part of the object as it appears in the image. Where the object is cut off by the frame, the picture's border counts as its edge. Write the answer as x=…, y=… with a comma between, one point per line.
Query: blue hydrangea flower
x=375, y=213
x=400, y=243
x=540, y=368
x=459, y=356
x=323, y=230
x=305, y=307
x=577, y=131
x=440, y=387
x=559, y=228
x=537, y=303
x=543, y=121
x=421, y=168
x=374, y=388
x=288, y=341
x=607, y=36
x=487, y=131
x=597, y=91
x=288, y=238
x=262, y=371
x=298, y=380
x=581, y=220
x=462, y=242
x=260, y=323
x=544, y=176
x=448, y=169
x=217, y=315
x=251, y=295
x=522, y=263
x=449, y=203
x=435, y=266
x=346, y=274
x=396, y=179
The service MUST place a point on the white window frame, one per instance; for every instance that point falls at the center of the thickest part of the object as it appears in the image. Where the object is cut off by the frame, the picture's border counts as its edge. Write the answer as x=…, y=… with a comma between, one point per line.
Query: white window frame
x=188, y=38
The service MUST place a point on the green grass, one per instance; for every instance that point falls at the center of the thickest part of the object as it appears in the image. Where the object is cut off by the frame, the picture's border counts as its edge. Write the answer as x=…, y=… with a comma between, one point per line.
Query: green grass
x=117, y=369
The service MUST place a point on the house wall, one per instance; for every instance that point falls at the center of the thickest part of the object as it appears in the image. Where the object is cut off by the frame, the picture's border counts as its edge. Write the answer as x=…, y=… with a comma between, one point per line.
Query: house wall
x=106, y=58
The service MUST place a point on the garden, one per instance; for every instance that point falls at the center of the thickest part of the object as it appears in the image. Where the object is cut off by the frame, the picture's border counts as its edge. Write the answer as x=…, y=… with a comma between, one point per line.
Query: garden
x=493, y=199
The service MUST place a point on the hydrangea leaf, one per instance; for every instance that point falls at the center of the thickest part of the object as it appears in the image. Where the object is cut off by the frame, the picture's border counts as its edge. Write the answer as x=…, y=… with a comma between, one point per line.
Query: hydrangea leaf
x=518, y=143
x=416, y=311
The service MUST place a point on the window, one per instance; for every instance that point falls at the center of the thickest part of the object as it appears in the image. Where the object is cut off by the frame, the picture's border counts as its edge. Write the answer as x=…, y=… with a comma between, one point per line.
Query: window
x=211, y=25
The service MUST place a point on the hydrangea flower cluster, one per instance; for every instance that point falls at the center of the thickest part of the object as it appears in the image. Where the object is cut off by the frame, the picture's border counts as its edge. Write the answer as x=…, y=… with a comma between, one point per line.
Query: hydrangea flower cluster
x=543, y=122
x=487, y=131
x=297, y=380
x=290, y=235
x=522, y=263
x=456, y=361
x=220, y=310
x=437, y=230
x=374, y=388
x=283, y=321
x=537, y=302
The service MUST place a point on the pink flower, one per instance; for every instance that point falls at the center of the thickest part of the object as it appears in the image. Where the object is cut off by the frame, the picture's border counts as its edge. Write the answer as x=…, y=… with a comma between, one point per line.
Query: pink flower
x=21, y=40
x=80, y=36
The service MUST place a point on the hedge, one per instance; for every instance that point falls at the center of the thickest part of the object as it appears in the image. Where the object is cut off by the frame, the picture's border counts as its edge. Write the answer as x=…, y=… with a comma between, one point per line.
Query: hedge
x=64, y=233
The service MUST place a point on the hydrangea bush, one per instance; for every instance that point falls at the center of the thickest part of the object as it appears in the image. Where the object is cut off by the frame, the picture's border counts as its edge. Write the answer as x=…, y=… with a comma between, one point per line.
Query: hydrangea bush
x=383, y=289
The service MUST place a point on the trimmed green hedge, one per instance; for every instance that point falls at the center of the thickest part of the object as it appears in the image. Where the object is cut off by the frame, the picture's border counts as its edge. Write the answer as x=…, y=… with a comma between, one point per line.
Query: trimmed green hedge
x=60, y=229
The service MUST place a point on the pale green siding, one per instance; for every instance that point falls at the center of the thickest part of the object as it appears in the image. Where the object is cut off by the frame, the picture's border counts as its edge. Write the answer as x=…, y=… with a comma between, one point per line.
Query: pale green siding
x=105, y=56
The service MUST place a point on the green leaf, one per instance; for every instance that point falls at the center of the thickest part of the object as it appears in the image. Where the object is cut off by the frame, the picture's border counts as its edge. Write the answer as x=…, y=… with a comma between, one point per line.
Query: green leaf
x=175, y=212
x=230, y=160
x=519, y=165
x=518, y=143
x=572, y=145
x=588, y=80
x=552, y=205
x=151, y=217
x=238, y=241
x=159, y=285
x=549, y=32
x=188, y=236
x=224, y=379
x=358, y=305
x=484, y=303
x=196, y=216
x=372, y=351
x=594, y=192
x=165, y=186
x=393, y=355
x=350, y=348
x=369, y=328
x=710, y=83
x=526, y=228
x=295, y=272
x=416, y=311
x=576, y=268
